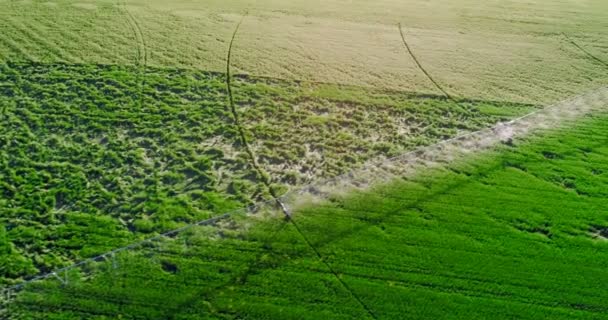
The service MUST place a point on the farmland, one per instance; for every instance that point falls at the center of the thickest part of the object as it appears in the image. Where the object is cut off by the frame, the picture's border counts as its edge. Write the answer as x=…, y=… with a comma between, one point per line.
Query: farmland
x=93, y=160
x=492, y=51
x=122, y=120
x=396, y=247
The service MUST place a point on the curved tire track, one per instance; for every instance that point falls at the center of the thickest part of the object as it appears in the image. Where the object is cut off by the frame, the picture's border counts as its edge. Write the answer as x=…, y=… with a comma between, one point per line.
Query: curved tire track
x=266, y=179
x=142, y=50
x=411, y=53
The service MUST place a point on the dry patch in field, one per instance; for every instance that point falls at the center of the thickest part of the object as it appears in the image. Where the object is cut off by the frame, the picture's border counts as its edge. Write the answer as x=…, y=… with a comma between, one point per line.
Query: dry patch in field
x=383, y=171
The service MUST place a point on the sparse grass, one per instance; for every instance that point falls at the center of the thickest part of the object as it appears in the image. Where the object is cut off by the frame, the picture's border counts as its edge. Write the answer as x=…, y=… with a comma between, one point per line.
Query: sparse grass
x=323, y=130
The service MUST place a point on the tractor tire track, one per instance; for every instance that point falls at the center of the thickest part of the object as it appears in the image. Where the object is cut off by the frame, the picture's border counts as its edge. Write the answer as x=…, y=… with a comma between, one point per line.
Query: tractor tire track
x=411, y=53
x=266, y=179
x=142, y=50
x=583, y=50
x=142, y=55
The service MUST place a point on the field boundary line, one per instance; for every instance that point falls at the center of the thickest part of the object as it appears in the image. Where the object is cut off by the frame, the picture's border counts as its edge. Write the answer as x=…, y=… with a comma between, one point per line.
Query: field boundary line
x=133, y=245
x=589, y=54
x=428, y=75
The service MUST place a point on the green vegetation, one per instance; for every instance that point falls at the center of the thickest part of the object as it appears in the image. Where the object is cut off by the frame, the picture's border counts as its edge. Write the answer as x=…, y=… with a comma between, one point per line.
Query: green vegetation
x=416, y=248
x=92, y=157
x=83, y=161
x=116, y=126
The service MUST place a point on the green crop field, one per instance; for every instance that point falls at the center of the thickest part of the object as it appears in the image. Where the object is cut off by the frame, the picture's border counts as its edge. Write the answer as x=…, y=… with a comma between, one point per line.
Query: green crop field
x=123, y=120
x=520, y=232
